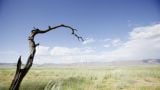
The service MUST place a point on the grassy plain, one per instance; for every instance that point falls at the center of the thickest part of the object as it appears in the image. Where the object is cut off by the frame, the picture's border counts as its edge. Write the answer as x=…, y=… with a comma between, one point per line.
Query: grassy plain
x=86, y=78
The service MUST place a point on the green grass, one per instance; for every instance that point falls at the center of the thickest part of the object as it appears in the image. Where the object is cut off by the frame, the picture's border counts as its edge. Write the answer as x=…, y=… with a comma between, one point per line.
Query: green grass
x=86, y=78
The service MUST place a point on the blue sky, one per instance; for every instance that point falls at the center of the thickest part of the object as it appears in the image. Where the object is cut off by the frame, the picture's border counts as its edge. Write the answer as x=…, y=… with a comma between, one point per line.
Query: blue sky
x=105, y=24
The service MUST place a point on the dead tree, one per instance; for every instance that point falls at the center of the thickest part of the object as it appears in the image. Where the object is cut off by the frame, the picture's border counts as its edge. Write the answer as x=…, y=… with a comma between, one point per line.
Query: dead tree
x=21, y=72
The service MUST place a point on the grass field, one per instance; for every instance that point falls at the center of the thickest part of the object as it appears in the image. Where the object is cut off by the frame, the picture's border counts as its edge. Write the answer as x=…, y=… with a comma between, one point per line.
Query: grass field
x=86, y=78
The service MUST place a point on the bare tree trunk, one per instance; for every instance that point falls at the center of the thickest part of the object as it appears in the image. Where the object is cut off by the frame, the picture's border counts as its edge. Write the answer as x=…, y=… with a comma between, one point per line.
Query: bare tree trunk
x=21, y=72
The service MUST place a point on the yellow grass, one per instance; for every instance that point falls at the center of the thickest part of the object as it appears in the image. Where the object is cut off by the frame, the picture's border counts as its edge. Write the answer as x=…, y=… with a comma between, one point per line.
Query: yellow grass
x=86, y=78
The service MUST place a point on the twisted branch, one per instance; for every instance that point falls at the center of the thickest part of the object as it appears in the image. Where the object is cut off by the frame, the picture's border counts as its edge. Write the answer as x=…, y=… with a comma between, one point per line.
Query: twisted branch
x=21, y=72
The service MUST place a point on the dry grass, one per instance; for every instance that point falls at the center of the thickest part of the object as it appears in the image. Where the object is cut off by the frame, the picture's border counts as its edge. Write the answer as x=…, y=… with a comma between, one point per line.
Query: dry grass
x=86, y=78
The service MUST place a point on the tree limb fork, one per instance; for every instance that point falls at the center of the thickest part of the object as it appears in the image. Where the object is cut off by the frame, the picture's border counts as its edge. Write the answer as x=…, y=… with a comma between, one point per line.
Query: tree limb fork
x=21, y=72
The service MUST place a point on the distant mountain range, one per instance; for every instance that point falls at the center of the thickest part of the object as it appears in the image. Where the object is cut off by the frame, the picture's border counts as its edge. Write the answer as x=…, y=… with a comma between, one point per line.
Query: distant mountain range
x=119, y=63
x=112, y=63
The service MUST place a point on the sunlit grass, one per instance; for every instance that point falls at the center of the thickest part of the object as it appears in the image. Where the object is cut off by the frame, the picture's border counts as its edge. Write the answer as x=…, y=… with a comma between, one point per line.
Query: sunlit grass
x=86, y=78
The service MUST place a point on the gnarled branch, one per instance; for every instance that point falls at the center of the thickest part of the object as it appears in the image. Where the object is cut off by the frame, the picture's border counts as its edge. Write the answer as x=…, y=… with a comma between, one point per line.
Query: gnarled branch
x=21, y=72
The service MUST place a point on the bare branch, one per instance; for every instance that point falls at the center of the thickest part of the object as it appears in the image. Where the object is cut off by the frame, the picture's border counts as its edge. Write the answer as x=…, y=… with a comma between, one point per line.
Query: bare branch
x=38, y=31
x=20, y=73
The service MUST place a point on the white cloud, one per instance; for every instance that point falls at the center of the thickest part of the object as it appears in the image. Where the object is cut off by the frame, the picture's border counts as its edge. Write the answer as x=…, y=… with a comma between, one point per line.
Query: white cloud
x=144, y=42
x=116, y=42
x=112, y=42
x=42, y=50
x=148, y=32
x=64, y=51
x=64, y=54
x=56, y=51
x=107, y=45
x=88, y=41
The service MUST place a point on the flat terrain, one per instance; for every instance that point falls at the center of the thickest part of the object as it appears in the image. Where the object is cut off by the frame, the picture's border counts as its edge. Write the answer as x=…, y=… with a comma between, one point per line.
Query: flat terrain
x=86, y=78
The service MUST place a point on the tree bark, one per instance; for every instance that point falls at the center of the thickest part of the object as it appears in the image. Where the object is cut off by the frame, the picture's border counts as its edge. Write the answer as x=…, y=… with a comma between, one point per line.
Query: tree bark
x=21, y=72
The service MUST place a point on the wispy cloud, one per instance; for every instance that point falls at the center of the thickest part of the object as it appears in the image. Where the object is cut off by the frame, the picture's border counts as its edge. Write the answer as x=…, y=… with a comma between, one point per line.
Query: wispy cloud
x=88, y=41
x=144, y=42
x=116, y=42
x=112, y=42
x=59, y=54
x=107, y=45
